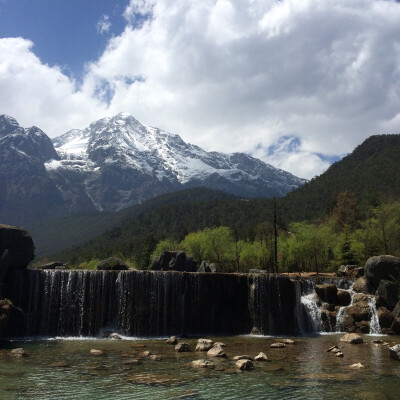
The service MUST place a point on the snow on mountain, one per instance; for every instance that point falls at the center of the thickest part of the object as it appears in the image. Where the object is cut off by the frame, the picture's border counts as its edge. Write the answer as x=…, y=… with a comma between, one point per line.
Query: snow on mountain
x=116, y=162
x=124, y=141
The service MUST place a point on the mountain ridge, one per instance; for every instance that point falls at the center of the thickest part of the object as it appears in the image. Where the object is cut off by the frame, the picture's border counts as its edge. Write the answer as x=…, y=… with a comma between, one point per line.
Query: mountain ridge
x=114, y=163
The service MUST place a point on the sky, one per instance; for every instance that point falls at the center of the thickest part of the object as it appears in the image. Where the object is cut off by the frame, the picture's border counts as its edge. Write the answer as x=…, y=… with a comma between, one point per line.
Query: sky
x=296, y=83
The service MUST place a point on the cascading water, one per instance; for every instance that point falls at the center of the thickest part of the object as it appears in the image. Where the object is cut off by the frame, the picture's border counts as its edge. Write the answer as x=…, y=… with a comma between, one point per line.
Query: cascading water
x=341, y=312
x=146, y=303
x=309, y=302
x=374, y=327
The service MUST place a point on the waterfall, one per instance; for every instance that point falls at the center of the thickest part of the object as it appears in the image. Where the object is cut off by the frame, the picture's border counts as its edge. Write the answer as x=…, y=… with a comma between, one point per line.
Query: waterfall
x=147, y=303
x=341, y=312
x=309, y=301
x=374, y=327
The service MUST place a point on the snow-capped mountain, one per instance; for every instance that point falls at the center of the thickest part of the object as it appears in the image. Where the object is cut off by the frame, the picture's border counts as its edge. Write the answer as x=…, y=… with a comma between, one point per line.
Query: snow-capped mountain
x=117, y=162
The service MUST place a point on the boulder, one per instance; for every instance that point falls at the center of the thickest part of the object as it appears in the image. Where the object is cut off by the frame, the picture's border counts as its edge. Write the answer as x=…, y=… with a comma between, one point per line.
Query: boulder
x=182, y=347
x=155, y=357
x=385, y=317
x=361, y=285
x=395, y=352
x=344, y=298
x=339, y=354
x=204, y=344
x=327, y=293
x=357, y=317
x=172, y=340
x=257, y=271
x=346, y=270
x=359, y=272
x=396, y=311
x=382, y=267
x=112, y=264
x=16, y=249
x=388, y=293
x=51, y=265
x=352, y=338
x=174, y=261
x=261, y=357
x=396, y=326
x=328, y=319
x=5, y=309
x=244, y=365
x=204, y=267
x=115, y=336
x=202, y=364
x=361, y=297
x=288, y=341
x=216, y=351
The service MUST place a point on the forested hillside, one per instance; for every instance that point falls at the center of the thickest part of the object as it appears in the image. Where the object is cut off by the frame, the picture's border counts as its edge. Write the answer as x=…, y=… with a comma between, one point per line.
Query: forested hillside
x=363, y=182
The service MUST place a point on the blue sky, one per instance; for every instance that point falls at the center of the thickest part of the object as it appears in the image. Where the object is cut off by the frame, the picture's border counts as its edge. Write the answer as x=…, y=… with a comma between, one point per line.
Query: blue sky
x=65, y=32
x=296, y=83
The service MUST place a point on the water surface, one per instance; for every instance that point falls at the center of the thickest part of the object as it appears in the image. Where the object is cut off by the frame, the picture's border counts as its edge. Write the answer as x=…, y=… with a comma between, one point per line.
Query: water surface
x=64, y=369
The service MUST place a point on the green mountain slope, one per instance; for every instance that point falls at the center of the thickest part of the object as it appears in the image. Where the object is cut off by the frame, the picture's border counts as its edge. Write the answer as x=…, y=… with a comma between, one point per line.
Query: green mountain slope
x=370, y=172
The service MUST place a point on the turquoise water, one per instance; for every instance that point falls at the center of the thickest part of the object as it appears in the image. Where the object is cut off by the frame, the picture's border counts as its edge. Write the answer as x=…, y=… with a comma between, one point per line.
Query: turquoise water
x=64, y=369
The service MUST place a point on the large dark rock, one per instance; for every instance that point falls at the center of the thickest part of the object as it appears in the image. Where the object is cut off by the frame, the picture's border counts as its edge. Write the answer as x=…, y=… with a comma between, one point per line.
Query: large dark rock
x=112, y=264
x=344, y=297
x=361, y=285
x=385, y=317
x=388, y=293
x=16, y=249
x=327, y=293
x=381, y=267
x=5, y=306
x=51, y=265
x=396, y=311
x=174, y=261
x=357, y=318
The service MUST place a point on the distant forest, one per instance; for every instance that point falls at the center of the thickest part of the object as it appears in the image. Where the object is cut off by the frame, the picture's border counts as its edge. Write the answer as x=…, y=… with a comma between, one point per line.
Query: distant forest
x=341, y=217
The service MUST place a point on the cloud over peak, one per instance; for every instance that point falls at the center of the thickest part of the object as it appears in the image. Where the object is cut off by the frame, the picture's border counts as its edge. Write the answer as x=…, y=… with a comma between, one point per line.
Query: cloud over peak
x=233, y=76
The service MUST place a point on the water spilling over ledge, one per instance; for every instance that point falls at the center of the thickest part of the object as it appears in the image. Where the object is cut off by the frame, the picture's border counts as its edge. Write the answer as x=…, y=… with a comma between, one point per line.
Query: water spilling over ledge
x=145, y=303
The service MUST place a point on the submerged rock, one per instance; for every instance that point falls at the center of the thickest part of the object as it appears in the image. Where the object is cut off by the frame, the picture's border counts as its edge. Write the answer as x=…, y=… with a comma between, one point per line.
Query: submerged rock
x=356, y=366
x=19, y=352
x=243, y=357
x=352, y=338
x=288, y=341
x=204, y=345
x=96, y=352
x=278, y=345
x=395, y=352
x=172, y=340
x=202, y=364
x=182, y=347
x=155, y=357
x=115, y=336
x=244, y=365
x=216, y=351
x=261, y=357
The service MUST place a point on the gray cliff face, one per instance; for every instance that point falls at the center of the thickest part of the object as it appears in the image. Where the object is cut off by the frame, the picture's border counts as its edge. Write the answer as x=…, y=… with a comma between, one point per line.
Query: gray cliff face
x=117, y=162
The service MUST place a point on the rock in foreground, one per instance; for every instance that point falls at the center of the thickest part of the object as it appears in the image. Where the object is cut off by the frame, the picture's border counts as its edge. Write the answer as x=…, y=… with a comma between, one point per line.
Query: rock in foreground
x=352, y=338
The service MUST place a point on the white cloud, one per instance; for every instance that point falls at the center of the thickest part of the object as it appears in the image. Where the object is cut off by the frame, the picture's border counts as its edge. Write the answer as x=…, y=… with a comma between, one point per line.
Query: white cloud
x=104, y=24
x=235, y=76
x=37, y=94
